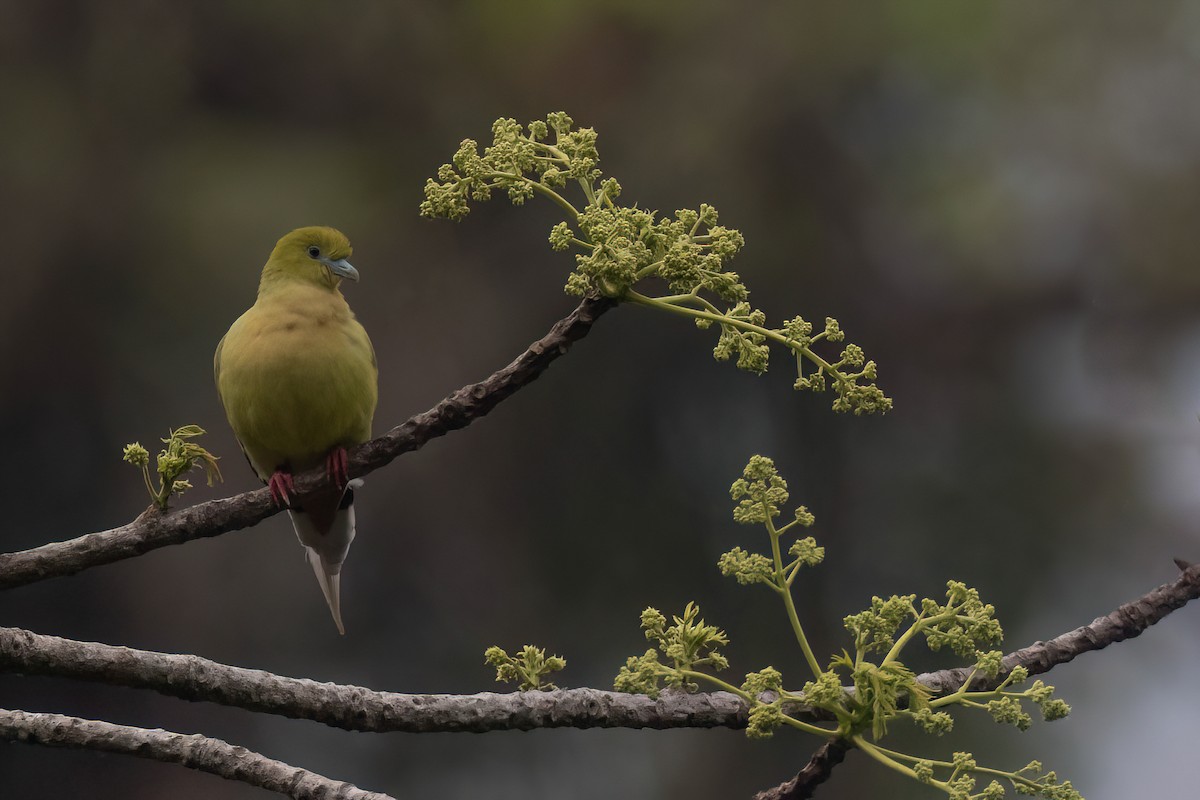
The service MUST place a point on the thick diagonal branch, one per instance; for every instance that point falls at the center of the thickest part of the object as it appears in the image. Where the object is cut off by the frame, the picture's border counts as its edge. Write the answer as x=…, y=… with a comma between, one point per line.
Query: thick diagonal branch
x=356, y=708
x=188, y=750
x=154, y=529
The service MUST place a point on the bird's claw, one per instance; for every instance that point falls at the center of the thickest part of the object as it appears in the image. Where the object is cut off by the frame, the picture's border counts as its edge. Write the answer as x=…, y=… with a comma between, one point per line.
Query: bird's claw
x=282, y=488
x=337, y=467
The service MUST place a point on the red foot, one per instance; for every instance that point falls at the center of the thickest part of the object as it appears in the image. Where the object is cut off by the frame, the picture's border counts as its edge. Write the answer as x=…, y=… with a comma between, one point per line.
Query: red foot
x=282, y=489
x=337, y=467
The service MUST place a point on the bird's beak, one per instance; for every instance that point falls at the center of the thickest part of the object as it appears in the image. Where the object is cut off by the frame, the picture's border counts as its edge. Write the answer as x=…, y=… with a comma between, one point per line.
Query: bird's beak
x=342, y=268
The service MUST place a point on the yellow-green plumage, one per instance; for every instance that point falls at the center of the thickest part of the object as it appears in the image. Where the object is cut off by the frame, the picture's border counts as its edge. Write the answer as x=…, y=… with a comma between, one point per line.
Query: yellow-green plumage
x=297, y=376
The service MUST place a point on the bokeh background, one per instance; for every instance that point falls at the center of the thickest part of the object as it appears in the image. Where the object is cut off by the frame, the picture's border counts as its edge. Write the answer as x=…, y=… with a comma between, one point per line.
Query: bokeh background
x=999, y=201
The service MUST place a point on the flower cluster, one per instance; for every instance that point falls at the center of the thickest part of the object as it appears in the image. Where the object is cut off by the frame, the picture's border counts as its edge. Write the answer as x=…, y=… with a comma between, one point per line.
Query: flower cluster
x=689, y=643
x=179, y=456
x=866, y=690
x=622, y=247
x=528, y=668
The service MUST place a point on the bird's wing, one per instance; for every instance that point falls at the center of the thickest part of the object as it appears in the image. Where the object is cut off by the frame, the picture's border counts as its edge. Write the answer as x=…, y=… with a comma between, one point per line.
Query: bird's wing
x=362, y=377
x=224, y=406
x=217, y=368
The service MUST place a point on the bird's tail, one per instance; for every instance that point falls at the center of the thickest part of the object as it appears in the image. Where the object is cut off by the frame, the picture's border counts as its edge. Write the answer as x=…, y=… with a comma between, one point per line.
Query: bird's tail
x=330, y=578
x=326, y=550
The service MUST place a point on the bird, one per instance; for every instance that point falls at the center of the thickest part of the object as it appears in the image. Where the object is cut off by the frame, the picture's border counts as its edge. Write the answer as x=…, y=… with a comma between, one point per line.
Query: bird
x=298, y=379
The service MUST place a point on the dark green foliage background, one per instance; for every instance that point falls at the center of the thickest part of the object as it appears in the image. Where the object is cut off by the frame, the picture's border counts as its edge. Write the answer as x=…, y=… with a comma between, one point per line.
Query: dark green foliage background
x=997, y=201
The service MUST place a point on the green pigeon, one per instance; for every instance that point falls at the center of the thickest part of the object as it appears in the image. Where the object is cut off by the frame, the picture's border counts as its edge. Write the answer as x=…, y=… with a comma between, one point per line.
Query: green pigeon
x=297, y=377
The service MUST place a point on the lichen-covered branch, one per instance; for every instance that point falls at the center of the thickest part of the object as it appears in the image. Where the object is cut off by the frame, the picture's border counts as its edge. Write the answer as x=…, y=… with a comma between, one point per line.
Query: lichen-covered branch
x=189, y=750
x=155, y=529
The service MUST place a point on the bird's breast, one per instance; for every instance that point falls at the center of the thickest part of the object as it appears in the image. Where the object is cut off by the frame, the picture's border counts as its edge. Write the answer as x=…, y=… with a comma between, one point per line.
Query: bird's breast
x=296, y=383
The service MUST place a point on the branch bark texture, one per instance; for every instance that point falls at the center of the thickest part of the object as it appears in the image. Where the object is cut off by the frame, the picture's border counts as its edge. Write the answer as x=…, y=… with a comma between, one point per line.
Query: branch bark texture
x=154, y=529
x=189, y=750
x=1126, y=622
x=356, y=708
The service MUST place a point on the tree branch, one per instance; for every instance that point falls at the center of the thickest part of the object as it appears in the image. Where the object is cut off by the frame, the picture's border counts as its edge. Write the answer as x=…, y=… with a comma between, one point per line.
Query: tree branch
x=154, y=529
x=360, y=709
x=1126, y=622
x=815, y=772
x=356, y=708
x=188, y=750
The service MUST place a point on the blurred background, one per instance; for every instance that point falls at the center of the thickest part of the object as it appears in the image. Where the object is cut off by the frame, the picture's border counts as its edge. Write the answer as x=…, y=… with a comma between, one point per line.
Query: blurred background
x=997, y=200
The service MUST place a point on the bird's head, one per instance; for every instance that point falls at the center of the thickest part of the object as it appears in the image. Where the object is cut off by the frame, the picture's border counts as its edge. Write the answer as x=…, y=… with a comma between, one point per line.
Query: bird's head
x=314, y=255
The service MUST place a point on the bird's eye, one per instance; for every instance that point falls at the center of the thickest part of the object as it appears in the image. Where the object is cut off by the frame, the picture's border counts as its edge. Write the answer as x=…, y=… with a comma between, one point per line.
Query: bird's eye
x=314, y=251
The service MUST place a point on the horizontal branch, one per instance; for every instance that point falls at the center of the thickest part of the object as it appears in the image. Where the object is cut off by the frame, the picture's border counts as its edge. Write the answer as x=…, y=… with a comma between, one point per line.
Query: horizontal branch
x=189, y=750
x=356, y=708
x=155, y=529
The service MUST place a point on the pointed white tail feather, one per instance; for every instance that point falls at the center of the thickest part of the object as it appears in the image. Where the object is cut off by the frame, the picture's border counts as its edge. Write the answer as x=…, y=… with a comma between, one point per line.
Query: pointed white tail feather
x=327, y=551
x=331, y=587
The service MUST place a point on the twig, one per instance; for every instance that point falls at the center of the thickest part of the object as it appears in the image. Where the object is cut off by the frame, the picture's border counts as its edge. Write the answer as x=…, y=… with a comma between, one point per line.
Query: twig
x=188, y=750
x=154, y=529
x=815, y=772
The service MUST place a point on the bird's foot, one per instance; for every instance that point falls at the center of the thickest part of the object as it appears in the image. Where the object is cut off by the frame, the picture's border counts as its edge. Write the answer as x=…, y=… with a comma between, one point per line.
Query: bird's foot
x=282, y=488
x=337, y=467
